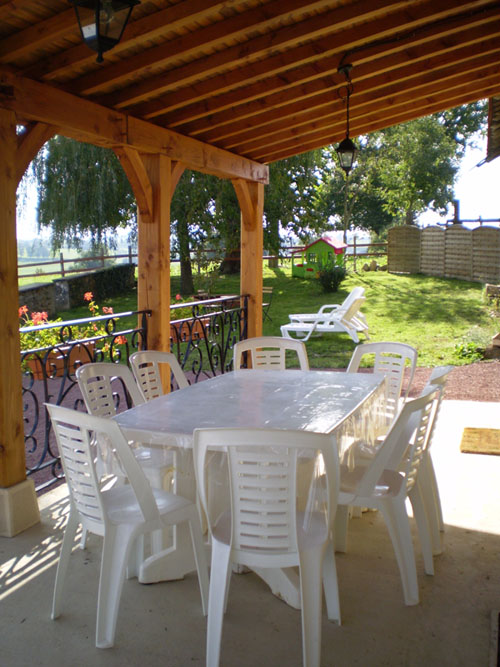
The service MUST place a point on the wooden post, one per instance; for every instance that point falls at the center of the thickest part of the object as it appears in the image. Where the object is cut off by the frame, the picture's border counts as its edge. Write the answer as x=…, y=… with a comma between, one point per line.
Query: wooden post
x=251, y=200
x=18, y=503
x=153, y=289
x=61, y=261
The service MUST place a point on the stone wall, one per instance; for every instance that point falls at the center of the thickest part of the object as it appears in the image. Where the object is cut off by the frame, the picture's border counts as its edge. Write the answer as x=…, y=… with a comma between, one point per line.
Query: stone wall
x=66, y=293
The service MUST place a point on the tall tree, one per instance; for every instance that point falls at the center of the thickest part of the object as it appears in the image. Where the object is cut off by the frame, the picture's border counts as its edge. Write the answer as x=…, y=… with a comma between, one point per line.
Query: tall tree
x=83, y=193
x=401, y=171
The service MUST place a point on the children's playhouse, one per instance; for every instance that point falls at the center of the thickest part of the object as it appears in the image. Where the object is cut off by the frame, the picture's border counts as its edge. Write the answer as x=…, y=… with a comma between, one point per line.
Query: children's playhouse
x=308, y=260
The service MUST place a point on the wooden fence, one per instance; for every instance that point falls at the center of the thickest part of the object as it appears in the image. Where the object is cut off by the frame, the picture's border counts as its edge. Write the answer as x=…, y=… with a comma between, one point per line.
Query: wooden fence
x=454, y=252
x=62, y=265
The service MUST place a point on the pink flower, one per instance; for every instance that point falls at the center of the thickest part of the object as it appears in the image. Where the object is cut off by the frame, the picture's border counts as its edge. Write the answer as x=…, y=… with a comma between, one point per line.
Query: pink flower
x=178, y=297
x=23, y=310
x=107, y=310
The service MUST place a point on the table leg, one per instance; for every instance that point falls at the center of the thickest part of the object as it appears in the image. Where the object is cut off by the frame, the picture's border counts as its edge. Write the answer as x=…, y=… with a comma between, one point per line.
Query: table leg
x=178, y=560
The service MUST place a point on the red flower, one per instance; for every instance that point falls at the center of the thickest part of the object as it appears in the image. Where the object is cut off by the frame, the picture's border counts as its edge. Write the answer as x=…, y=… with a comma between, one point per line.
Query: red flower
x=39, y=318
x=23, y=310
x=107, y=310
x=178, y=297
x=88, y=296
x=120, y=340
x=309, y=269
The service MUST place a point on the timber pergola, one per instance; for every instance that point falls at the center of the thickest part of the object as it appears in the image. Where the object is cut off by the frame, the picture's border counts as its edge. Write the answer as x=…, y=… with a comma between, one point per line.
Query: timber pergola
x=223, y=87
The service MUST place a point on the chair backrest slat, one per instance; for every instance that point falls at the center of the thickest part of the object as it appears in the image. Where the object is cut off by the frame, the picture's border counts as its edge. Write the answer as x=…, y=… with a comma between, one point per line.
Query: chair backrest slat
x=145, y=365
x=262, y=465
x=269, y=353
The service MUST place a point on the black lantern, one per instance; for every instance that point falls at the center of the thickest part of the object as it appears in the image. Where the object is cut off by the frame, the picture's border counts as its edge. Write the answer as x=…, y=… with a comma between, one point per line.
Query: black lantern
x=102, y=22
x=346, y=150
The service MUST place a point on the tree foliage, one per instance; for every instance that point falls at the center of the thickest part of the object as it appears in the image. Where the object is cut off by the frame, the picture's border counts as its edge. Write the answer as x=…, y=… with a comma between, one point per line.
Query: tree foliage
x=82, y=193
x=401, y=171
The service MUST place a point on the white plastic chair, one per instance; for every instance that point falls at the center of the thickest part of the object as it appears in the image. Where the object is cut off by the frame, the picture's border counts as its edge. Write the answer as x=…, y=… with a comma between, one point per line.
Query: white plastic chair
x=387, y=481
x=427, y=476
x=269, y=353
x=389, y=359
x=101, y=384
x=145, y=366
x=119, y=514
x=263, y=528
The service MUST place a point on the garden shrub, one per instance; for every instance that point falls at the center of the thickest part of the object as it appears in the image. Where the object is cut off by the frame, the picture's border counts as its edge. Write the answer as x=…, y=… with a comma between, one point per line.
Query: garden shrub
x=331, y=276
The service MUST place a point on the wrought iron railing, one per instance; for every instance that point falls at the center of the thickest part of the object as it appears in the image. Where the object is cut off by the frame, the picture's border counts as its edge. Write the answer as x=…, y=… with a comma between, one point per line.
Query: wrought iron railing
x=202, y=343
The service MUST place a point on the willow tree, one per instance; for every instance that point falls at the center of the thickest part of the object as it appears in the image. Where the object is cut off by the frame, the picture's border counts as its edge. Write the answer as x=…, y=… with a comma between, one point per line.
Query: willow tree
x=83, y=194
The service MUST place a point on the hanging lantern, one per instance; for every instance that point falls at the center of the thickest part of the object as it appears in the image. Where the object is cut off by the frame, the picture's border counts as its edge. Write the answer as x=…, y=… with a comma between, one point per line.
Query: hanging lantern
x=102, y=22
x=347, y=150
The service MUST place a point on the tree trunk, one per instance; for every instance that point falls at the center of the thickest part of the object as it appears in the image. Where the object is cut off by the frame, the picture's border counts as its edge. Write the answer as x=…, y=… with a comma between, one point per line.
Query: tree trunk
x=187, y=286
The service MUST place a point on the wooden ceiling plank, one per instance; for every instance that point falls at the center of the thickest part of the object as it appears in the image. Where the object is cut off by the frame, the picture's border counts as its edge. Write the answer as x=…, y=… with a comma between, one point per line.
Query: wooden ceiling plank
x=383, y=117
x=341, y=19
x=408, y=77
x=251, y=99
x=136, y=32
x=37, y=35
x=366, y=105
x=282, y=65
x=214, y=35
x=31, y=100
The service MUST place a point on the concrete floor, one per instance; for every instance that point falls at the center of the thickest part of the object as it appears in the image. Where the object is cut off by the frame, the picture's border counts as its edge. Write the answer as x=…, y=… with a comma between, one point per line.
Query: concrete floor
x=162, y=624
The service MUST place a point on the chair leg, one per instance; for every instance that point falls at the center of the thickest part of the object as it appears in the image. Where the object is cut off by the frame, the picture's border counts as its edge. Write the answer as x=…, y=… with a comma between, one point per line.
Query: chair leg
x=62, y=566
x=432, y=482
x=115, y=553
x=398, y=525
x=311, y=597
x=420, y=514
x=330, y=584
x=200, y=558
x=216, y=598
x=340, y=528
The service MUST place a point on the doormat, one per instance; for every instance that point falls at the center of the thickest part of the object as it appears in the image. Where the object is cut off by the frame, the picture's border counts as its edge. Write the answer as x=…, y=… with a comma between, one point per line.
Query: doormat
x=480, y=441
x=494, y=647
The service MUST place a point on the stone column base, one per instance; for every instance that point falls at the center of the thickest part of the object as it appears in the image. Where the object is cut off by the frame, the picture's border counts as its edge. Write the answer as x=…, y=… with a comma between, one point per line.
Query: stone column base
x=18, y=508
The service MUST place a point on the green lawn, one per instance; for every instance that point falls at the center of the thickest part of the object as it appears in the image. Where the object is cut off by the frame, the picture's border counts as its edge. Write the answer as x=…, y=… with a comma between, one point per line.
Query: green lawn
x=438, y=316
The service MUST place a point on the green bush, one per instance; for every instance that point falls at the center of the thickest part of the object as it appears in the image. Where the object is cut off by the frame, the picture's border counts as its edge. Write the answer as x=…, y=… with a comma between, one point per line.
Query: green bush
x=331, y=276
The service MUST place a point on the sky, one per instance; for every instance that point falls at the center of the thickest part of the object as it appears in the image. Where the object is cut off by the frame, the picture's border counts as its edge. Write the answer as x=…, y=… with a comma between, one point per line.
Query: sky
x=477, y=189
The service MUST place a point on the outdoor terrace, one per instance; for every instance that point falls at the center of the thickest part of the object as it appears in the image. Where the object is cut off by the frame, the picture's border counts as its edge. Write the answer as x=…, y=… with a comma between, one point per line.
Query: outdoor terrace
x=162, y=624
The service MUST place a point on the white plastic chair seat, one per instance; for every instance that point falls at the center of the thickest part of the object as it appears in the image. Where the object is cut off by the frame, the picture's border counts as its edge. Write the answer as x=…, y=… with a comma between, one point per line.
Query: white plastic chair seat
x=122, y=506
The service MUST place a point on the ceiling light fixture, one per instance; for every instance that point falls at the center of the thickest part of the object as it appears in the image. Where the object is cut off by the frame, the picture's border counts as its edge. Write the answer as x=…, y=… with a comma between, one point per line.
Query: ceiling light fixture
x=102, y=22
x=346, y=150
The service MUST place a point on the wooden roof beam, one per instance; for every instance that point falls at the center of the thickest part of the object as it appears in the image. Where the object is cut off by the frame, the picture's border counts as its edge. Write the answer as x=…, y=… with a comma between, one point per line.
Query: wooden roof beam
x=136, y=32
x=305, y=122
x=384, y=86
x=312, y=79
x=338, y=22
x=214, y=35
x=37, y=35
x=34, y=101
x=393, y=115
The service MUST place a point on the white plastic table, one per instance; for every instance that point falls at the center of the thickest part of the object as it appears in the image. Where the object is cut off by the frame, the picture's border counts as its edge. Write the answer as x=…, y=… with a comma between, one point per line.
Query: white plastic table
x=350, y=405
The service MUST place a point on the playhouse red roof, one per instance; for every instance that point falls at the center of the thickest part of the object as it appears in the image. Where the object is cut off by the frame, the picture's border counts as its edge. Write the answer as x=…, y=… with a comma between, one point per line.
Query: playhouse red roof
x=336, y=245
